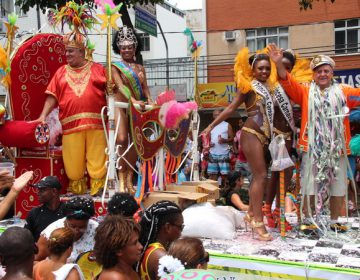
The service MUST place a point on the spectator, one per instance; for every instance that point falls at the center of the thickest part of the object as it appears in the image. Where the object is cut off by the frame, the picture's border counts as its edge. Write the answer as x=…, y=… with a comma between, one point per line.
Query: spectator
x=122, y=204
x=241, y=161
x=185, y=253
x=50, y=210
x=55, y=266
x=221, y=136
x=78, y=213
x=17, y=249
x=161, y=224
x=234, y=194
x=117, y=248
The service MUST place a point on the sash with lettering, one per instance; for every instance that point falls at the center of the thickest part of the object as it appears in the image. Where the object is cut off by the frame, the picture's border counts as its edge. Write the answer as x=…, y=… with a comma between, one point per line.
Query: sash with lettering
x=269, y=105
x=285, y=105
x=133, y=79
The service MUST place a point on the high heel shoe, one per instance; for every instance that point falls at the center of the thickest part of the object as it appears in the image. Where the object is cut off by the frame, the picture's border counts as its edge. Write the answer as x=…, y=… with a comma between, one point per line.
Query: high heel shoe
x=271, y=222
x=276, y=216
x=247, y=220
x=263, y=236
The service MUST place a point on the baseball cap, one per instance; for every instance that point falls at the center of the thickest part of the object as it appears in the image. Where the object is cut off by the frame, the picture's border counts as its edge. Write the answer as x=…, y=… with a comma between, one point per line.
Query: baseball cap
x=48, y=182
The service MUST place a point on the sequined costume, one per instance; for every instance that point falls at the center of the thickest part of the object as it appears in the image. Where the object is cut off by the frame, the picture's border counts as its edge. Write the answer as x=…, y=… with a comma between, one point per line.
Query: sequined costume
x=80, y=94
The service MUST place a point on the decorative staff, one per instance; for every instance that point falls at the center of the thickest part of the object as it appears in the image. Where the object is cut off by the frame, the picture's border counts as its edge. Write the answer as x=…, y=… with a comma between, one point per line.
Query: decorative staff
x=108, y=18
x=5, y=69
x=195, y=49
x=282, y=204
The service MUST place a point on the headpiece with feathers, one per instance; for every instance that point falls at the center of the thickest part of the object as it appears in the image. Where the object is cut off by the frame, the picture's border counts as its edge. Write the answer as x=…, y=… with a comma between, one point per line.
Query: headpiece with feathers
x=243, y=71
x=301, y=71
x=79, y=18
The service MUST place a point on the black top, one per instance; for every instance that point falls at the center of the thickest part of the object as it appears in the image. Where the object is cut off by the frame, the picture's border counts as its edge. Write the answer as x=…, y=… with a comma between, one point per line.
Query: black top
x=243, y=194
x=40, y=217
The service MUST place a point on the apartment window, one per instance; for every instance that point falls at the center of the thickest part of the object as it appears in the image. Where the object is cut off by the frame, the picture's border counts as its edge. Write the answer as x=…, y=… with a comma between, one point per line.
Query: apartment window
x=257, y=39
x=347, y=36
x=145, y=41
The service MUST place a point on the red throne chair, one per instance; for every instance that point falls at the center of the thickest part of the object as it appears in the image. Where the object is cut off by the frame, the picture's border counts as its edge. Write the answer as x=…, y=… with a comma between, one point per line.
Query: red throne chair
x=33, y=64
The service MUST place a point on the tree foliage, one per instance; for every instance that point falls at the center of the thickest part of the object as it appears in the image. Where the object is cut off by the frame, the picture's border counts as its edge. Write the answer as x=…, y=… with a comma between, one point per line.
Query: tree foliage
x=25, y=5
x=308, y=4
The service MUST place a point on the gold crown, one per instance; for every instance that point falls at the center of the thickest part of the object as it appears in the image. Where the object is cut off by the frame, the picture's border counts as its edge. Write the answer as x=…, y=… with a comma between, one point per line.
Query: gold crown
x=74, y=40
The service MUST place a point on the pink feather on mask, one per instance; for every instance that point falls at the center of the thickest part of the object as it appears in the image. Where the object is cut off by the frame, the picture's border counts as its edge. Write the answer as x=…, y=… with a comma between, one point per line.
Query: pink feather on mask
x=165, y=96
x=172, y=113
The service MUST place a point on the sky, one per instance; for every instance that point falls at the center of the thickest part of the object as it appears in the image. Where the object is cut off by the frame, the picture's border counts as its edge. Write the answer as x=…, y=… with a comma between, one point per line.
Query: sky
x=187, y=4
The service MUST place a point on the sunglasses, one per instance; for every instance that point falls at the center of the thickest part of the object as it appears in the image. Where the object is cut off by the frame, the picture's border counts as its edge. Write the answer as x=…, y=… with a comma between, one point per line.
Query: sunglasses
x=205, y=259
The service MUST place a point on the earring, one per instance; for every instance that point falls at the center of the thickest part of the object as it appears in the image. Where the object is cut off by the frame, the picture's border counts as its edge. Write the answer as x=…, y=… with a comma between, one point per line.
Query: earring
x=134, y=58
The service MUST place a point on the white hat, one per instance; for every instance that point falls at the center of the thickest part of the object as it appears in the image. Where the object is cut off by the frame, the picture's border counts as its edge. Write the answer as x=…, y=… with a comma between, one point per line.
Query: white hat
x=321, y=60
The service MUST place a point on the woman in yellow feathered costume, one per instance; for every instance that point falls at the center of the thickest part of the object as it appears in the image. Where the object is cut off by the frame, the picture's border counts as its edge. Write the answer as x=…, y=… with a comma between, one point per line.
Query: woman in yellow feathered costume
x=258, y=88
x=255, y=83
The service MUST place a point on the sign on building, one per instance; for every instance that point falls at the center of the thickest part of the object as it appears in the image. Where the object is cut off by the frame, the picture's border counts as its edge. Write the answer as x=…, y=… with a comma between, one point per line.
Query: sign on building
x=145, y=18
x=216, y=95
x=350, y=77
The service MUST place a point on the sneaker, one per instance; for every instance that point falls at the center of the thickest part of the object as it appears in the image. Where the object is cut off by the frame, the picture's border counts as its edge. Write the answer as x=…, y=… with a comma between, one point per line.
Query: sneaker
x=338, y=227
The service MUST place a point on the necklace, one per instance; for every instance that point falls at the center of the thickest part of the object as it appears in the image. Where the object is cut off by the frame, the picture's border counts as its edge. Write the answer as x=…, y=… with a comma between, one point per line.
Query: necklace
x=129, y=64
x=78, y=78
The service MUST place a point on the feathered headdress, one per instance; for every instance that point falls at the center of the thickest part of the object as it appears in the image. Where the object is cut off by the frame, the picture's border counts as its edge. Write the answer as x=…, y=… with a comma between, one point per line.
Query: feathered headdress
x=243, y=70
x=79, y=18
x=301, y=71
x=5, y=52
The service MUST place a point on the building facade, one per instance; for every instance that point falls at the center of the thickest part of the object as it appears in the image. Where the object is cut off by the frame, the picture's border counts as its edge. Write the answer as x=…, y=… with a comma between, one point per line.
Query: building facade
x=329, y=28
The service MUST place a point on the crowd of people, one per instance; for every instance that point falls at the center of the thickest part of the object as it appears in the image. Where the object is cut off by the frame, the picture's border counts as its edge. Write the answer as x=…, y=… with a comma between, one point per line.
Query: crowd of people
x=123, y=247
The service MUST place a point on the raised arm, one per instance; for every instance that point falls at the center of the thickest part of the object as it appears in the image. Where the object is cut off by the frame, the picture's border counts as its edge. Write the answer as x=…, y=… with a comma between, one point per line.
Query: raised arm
x=276, y=56
x=16, y=188
x=293, y=89
x=239, y=98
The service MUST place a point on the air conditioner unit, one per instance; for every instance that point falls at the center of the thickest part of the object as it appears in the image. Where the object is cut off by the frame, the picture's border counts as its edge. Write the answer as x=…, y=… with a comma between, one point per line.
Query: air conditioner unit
x=230, y=35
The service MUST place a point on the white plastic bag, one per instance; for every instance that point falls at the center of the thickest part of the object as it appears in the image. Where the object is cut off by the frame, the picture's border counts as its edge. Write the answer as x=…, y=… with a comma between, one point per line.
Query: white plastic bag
x=279, y=154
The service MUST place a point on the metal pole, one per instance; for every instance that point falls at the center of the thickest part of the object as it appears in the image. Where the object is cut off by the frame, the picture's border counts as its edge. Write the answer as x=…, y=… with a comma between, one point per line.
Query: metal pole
x=38, y=17
x=111, y=183
x=167, y=55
